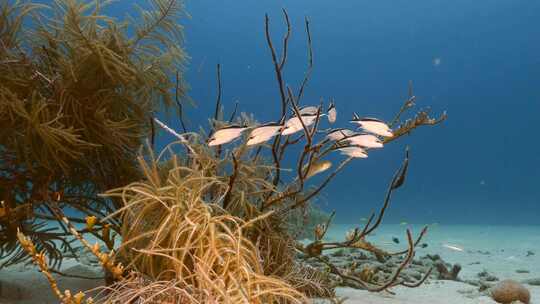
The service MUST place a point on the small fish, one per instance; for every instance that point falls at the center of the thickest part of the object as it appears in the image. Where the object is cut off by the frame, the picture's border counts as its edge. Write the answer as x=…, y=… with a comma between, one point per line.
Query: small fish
x=294, y=124
x=339, y=134
x=452, y=247
x=373, y=125
x=332, y=113
x=318, y=167
x=307, y=110
x=364, y=140
x=395, y=240
x=512, y=258
x=353, y=151
x=424, y=245
x=263, y=133
x=226, y=135
x=363, y=219
x=403, y=223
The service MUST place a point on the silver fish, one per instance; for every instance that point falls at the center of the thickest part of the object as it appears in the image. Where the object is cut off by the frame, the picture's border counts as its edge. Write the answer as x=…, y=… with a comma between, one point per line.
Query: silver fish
x=307, y=110
x=294, y=124
x=338, y=134
x=364, y=140
x=353, y=151
x=263, y=133
x=373, y=125
x=226, y=135
x=453, y=247
x=332, y=113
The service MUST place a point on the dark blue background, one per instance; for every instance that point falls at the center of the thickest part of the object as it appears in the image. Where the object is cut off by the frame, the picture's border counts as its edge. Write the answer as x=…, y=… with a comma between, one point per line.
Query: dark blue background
x=365, y=53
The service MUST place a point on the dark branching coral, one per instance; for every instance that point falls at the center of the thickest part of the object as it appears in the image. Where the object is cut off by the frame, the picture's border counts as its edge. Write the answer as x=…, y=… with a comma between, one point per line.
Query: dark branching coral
x=356, y=240
x=77, y=97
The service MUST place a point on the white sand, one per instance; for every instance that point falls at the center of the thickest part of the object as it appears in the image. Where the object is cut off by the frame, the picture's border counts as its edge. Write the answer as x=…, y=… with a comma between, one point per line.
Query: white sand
x=501, y=250
x=25, y=285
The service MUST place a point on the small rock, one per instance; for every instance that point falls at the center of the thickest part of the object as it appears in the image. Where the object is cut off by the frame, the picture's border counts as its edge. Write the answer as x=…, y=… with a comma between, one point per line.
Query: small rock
x=445, y=274
x=410, y=273
x=508, y=291
x=484, y=275
x=533, y=281
x=338, y=253
x=433, y=257
x=417, y=262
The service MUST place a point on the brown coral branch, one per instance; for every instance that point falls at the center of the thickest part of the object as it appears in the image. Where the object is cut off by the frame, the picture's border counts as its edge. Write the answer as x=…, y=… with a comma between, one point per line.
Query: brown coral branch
x=404, y=263
x=233, y=114
x=277, y=69
x=218, y=98
x=232, y=179
x=422, y=118
x=178, y=103
x=409, y=103
x=397, y=181
x=310, y=63
x=285, y=40
x=418, y=239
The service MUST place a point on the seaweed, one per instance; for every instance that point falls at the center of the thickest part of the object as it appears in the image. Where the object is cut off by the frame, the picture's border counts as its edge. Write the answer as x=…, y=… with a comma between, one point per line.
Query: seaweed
x=77, y=97
x=174, y=230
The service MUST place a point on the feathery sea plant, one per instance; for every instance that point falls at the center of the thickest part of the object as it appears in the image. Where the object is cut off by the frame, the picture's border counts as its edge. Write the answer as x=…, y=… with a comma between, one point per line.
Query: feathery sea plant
x=77, y=97
x=175, y=230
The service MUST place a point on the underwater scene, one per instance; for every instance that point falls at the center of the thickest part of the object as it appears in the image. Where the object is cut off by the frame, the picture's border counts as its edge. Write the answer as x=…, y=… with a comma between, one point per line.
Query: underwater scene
x=324, y=152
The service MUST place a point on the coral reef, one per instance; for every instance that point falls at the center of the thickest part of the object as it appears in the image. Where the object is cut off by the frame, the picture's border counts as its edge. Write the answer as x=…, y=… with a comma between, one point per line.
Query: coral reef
x=202, y=222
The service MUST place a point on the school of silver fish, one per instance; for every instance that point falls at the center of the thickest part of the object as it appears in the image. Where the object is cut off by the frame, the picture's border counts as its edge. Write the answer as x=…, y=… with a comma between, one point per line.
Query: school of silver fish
x=348, y=142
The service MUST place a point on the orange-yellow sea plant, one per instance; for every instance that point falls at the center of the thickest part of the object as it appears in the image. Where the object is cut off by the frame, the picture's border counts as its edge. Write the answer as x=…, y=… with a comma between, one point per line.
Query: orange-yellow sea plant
x=175, y=230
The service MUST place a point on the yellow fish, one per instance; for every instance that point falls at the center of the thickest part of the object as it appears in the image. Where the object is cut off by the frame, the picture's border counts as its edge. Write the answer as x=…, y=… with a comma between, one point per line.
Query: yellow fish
x=318, y=167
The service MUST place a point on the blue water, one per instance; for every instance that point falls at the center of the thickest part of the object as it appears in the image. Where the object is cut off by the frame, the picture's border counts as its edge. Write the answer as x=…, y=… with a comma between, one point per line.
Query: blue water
x=481, y=166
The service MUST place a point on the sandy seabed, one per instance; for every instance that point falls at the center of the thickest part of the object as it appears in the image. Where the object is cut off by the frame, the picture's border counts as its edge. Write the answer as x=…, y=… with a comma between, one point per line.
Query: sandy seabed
x=500, y=250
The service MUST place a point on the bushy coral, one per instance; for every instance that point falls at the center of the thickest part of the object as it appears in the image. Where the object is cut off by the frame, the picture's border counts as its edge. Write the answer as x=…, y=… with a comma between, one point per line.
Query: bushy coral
x=175, y=229
x=77, y=97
